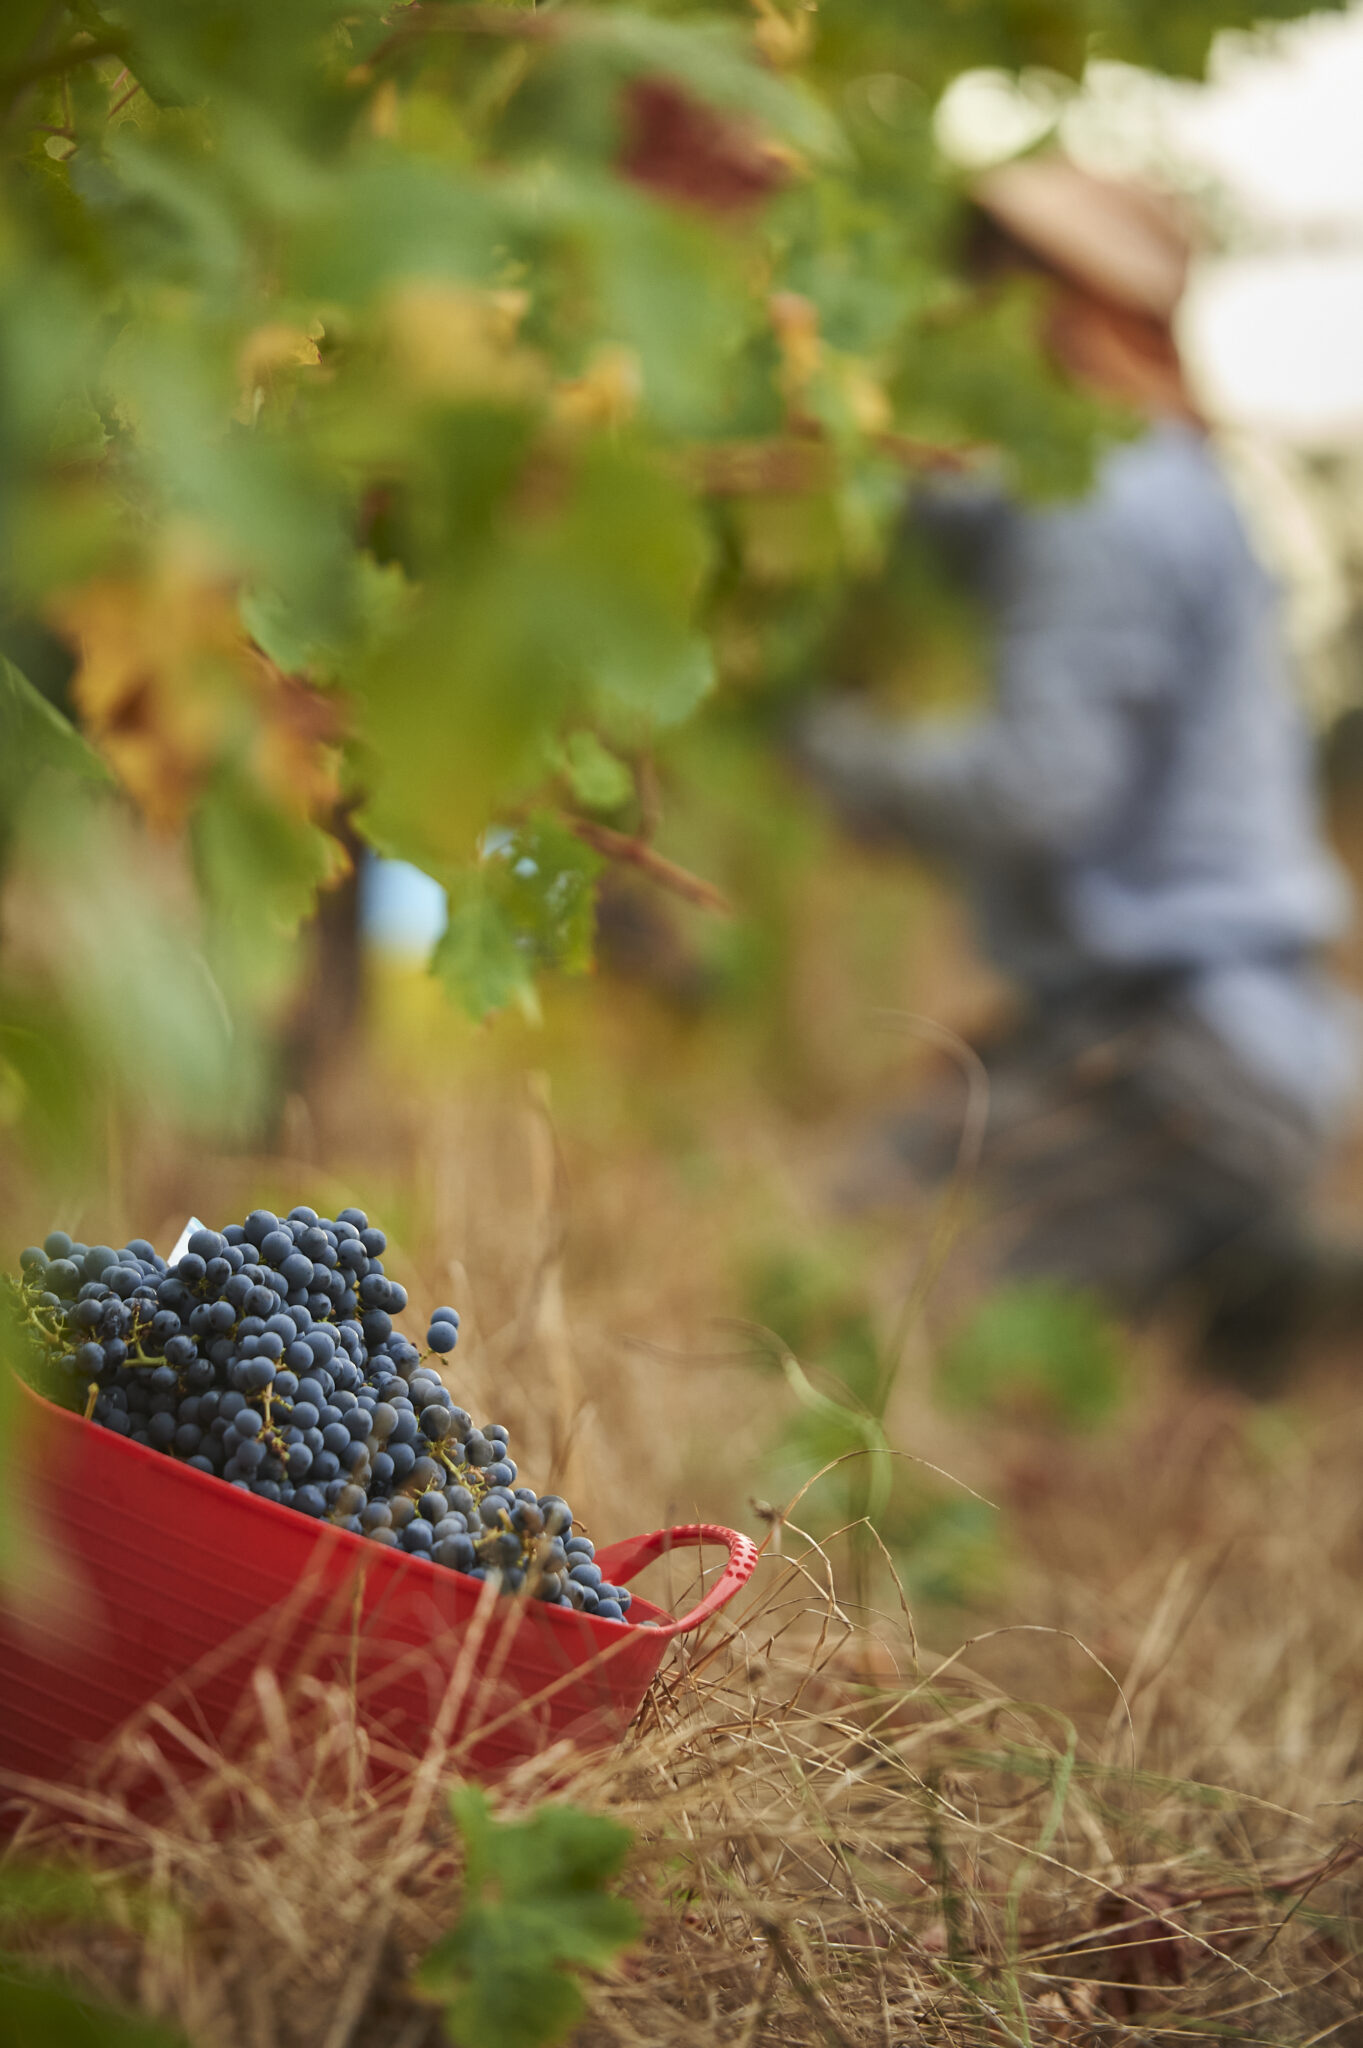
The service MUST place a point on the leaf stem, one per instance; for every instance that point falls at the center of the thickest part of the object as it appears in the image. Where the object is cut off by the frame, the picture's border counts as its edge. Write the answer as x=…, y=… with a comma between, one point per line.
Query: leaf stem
x=618, y=846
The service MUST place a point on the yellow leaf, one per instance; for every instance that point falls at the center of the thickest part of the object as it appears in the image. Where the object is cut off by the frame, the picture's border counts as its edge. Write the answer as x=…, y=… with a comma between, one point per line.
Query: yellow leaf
x=168, y=686
x=265, y=352
x=796, y=321
x=607, y=394
x=454, y=341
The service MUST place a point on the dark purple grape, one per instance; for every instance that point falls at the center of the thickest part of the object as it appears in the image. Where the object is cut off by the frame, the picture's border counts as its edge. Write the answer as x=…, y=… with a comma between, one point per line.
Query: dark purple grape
x=455, y=1551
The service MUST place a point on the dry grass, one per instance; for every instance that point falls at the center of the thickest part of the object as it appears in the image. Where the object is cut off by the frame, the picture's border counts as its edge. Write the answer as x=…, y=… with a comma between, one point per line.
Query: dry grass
x=826, y=1852
x=1067, y=1815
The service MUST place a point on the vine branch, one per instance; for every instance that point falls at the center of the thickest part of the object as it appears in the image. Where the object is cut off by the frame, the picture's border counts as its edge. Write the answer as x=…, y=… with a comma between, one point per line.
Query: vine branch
x=637, y=853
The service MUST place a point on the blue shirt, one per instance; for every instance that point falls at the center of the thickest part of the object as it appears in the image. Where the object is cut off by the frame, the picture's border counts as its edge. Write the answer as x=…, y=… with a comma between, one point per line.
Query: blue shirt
x=1140, y=798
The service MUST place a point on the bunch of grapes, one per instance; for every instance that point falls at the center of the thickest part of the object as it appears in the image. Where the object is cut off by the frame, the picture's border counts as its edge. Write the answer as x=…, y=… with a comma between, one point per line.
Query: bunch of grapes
x=268, y=1357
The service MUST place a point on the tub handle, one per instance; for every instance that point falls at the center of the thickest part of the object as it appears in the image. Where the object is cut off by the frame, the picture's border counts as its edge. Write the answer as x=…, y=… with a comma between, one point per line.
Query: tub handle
x=619, y=1563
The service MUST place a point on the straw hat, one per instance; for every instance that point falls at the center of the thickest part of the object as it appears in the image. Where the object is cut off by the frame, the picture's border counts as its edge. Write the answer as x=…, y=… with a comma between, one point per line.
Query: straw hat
x=1124, y=243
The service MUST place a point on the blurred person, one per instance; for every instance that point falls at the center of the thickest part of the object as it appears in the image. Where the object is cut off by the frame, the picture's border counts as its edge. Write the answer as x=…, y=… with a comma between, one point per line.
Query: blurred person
x=1135, y=819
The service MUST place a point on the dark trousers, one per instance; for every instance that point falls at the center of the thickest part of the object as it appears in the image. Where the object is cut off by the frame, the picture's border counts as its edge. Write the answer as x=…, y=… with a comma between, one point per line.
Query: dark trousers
x=1127, y=1150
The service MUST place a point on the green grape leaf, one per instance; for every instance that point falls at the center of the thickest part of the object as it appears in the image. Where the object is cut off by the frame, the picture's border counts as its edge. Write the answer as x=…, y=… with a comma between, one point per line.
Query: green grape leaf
x=380, y=596
x=535, y=1911
x=478, y=957
x=377, y=223
x=621, y=577
x=637, y=697
x=35, y=2008
x=546, y=880
x=598, y=780
x=122, y=1001
x=1036, y=1347
x=531, y=904
x=665, y=289
x=78, y=432
x=259, y=869
x=20, y=21
x=34, y=737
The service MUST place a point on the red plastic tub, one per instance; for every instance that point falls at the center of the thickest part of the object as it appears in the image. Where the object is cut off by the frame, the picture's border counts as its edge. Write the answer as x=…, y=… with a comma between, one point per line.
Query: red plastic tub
x=183, y=1589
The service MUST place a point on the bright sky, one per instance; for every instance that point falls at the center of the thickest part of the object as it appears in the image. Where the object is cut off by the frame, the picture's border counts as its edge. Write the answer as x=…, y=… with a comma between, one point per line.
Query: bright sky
x=1273, y=326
